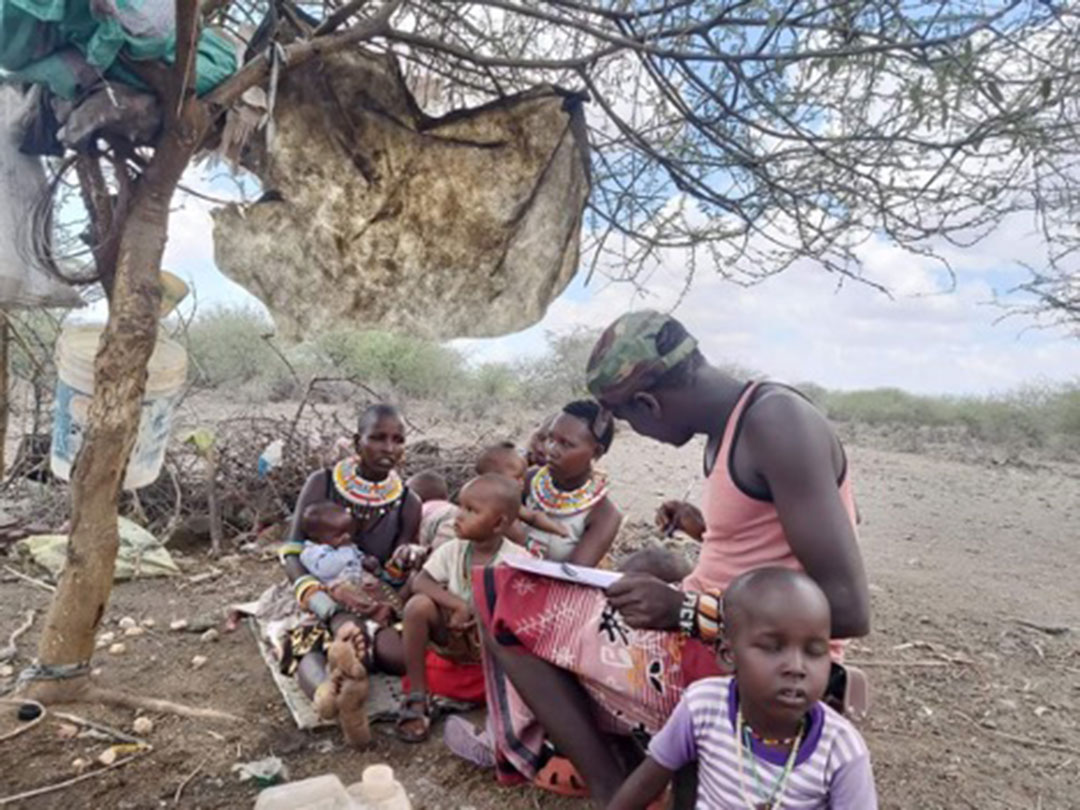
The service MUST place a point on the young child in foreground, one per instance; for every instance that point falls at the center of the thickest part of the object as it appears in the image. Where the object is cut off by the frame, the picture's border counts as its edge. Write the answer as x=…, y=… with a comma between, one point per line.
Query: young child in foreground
x=441, y=609
x=762, y=738
x=504, y=459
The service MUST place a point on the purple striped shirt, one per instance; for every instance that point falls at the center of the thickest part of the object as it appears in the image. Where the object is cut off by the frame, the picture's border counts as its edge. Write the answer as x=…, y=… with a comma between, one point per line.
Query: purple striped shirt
x=832, y=767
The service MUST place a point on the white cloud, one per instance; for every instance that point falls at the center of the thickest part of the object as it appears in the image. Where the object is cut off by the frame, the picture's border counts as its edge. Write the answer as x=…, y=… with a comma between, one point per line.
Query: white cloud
x=802, y=326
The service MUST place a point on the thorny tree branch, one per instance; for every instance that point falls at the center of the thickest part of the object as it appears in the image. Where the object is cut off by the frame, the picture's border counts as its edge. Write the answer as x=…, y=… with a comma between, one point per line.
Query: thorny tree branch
x=746, y=137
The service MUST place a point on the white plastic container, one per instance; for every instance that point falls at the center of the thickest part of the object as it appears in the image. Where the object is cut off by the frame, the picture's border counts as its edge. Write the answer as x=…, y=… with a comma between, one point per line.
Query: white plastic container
x=379, y=790
x=317, y=793
x=167, y=372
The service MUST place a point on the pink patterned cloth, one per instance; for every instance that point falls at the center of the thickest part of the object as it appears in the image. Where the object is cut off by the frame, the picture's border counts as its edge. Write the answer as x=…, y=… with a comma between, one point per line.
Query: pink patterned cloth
x=634, y=677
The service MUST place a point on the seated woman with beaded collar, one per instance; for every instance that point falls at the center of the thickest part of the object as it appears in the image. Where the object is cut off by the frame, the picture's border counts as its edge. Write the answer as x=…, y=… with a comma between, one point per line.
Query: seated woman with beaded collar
x=570, y=491
x=336, y=639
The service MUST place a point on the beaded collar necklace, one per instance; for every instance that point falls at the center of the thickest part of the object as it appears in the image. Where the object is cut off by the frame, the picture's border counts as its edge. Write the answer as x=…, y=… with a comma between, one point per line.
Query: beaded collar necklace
x=555, y=501
x=774, y=798
x=371, y=496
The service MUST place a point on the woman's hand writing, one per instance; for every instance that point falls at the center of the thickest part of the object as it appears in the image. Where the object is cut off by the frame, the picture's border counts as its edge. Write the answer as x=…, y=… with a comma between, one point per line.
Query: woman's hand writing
x=680, y=515
x=646, y=602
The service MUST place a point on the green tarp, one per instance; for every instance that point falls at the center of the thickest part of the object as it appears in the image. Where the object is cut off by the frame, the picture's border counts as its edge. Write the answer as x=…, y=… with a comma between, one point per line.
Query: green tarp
x=140, y=555
x=70, y=44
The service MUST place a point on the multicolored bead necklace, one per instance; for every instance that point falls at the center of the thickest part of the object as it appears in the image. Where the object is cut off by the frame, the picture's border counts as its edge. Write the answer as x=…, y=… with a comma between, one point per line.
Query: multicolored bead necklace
x=775, y=797
x=369, y=497
x=555, y=501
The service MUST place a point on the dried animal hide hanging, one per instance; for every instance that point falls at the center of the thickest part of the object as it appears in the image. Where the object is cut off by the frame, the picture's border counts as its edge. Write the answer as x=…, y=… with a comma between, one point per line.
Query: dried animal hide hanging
x=467, y=225
x=23, y=281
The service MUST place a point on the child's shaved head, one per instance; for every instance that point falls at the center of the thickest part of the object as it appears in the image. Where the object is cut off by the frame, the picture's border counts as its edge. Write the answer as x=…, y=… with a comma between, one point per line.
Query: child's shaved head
x=766, y=590
x=326, y=521
x=429, y=486
x=496, y=490
x=502, y=459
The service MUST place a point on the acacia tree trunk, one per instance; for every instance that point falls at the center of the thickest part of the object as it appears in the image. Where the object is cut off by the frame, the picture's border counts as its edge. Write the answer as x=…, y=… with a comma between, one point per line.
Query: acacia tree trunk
x=119, y=383
x=78, y=606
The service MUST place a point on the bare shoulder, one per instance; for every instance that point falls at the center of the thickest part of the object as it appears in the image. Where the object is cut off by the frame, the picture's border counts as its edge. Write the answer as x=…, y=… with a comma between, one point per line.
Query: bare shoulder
x=780, y=417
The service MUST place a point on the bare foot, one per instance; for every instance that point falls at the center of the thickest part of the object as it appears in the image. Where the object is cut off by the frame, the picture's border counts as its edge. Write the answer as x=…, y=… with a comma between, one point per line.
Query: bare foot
x=352, y=710
x=325, y=699
x=344, y=660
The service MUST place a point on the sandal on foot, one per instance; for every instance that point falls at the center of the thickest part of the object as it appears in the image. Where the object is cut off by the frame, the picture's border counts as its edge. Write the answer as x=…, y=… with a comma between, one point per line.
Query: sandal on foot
x=560, y=776
x=407, y=714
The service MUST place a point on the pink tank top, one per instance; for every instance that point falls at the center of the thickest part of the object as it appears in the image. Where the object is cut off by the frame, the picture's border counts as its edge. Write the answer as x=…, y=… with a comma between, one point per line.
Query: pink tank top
x=742, y=533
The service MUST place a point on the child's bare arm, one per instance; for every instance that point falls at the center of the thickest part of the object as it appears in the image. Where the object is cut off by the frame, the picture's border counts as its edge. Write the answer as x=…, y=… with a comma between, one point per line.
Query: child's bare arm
x=437, y=593
x=538, y=520
x=641, y=787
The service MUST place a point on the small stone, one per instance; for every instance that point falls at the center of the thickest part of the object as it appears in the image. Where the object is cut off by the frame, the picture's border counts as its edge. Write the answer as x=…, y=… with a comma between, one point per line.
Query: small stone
x=117, y=649
x=148, y=623
x=179, y=624
x=105, y=639
x=127, y=622
x=1042, y=710
x=134, y=631
x=210, y=635
x=198, y=661
x=6, y=670
x=67, y=731
x=142, y=726
x=79, y=765
x=107, y=757
x=95, y=672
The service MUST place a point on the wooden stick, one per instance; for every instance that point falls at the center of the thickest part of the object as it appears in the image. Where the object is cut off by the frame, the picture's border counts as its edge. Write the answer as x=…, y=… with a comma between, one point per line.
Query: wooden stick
x=30, y=579
x=117, y=698
x=1049, y=629
x=18, y=797
x=923, y=663
x=114, y=733
x=1026, y=741
x=184, y=783
x=10, y=651
x=26, y=727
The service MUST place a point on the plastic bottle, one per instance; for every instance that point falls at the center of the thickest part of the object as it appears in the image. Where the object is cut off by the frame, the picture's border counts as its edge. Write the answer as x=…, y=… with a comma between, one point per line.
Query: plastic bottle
x=324, y=792
x=379, y=790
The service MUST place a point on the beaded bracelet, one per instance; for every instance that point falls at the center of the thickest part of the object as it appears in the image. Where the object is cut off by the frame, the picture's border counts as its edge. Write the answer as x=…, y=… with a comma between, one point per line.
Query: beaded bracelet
x=710, y=617
x=304, y=585
x=688, y=613
x=292, y=548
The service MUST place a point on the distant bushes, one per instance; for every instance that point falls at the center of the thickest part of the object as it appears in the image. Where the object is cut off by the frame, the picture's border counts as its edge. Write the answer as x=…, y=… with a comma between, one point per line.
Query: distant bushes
x=1032, y=416
x=230, y=349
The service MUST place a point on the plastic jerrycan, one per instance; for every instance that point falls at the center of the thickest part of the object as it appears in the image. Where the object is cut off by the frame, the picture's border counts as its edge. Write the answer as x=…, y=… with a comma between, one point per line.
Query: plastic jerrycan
x=324, y=792
x=379, y=790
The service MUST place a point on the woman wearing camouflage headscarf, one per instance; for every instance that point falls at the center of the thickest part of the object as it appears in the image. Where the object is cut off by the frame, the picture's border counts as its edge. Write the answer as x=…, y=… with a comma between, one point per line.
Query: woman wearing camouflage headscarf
x=777, y=493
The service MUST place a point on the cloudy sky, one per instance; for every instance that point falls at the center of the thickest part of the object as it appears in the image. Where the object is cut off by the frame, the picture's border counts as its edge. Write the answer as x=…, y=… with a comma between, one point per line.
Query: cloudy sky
x=798, y=326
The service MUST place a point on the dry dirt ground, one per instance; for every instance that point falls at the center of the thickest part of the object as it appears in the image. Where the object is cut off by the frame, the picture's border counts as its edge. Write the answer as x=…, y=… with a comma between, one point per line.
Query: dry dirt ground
x=974, y=705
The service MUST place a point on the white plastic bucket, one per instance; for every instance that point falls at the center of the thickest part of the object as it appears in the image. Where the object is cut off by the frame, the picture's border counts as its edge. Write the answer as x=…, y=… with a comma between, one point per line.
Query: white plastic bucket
x=166, y=373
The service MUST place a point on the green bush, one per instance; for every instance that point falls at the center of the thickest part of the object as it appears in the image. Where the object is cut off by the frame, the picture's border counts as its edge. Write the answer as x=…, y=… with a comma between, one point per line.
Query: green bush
x=559, y=375
x=406, y=365
x=226, y=348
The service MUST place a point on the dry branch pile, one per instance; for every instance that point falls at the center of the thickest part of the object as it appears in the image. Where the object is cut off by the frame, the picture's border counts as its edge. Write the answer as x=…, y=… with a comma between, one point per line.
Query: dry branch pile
x=177, y=507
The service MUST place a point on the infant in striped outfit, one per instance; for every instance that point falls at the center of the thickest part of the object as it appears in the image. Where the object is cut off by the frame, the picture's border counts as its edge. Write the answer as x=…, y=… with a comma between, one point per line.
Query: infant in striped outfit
x=763, y=740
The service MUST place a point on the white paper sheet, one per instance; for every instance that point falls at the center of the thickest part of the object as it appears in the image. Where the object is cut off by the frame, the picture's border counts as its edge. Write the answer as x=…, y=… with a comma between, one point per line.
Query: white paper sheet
x=567, y=572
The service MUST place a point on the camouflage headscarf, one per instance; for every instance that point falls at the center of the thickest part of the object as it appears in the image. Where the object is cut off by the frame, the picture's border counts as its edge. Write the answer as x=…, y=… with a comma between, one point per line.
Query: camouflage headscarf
x=626, y=359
